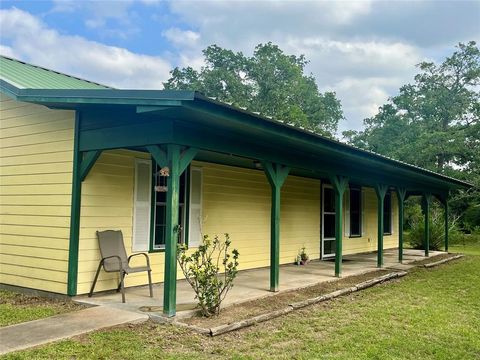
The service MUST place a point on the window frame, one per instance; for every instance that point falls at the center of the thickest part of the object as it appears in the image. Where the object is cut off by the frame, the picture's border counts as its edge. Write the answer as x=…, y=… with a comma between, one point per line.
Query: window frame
x=388, y=212
x=153, y=213
x=360, y=215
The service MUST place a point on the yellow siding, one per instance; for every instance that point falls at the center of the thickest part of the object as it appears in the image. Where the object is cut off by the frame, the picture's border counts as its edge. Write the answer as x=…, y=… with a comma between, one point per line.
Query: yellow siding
x=234, y=200
x=107, y=203
x=36, y=151
x=237, y=201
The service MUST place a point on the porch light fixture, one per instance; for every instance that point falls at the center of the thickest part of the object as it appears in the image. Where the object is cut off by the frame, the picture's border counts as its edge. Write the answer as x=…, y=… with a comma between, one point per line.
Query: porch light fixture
x=257, y=164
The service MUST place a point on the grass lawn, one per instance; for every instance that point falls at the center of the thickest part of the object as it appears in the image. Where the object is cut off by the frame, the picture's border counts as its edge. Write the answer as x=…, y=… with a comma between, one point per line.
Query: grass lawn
x=468, y=248
x=16, y=308
x=429, y=314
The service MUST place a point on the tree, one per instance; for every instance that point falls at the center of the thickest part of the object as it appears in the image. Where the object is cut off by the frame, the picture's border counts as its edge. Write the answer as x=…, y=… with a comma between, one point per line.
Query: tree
x=270, y=82
x=434, y=122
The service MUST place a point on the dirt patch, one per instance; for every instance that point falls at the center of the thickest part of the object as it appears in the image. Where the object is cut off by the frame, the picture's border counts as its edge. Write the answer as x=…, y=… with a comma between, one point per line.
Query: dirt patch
x=267, y=304
x=22, y=300
x=433, y=259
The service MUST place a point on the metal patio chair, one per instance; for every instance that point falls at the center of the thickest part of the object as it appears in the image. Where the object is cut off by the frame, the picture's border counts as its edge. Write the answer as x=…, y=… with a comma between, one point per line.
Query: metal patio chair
x=114, y=259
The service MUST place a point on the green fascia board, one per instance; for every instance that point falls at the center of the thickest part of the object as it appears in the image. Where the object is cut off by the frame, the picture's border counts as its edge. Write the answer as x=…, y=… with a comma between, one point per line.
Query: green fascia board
x=229, y=115
x=104, y=97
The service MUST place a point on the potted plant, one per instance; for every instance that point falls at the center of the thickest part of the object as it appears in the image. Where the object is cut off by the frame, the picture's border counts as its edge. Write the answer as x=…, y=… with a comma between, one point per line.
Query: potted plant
x=302, y=257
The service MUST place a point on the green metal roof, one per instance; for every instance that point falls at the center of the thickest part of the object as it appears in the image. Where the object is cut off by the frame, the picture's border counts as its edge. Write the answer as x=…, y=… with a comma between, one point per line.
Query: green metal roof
x=27, y=76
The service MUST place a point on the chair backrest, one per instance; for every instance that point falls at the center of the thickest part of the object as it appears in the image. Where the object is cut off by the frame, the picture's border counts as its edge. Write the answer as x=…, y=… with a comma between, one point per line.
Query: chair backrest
x=111, y=243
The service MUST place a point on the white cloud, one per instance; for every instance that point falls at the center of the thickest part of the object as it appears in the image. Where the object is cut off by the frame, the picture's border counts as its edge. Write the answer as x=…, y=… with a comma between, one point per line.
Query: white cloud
x=7, y=51
x=181, y=38
x=31, y=40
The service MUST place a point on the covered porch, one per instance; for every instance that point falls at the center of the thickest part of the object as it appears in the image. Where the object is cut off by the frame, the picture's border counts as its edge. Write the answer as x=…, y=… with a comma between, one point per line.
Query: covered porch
x=176, y=128
x=250, y=284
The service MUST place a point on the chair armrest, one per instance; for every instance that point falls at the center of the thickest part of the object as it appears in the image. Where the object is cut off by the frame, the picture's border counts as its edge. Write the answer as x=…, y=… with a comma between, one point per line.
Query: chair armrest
x=111, y=257
x=146, y=258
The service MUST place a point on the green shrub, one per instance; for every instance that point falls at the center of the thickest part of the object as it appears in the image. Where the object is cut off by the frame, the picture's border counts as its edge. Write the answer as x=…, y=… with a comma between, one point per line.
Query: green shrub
x=416, y=222
x=202, y=271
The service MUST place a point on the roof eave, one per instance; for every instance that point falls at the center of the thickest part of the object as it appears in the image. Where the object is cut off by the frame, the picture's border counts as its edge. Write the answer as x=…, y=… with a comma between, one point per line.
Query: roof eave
x=143, y=98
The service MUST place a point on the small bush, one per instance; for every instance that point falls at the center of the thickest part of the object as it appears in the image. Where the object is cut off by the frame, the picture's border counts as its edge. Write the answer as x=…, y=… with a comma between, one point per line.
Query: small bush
x=202, y=271
x=416, y=222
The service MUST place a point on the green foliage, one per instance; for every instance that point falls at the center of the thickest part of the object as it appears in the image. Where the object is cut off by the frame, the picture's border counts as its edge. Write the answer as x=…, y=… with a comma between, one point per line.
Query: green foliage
x=302, y=257
x=415, y=222
x=270, y=82
x=472, y=218
x=434, y=122
x=202, y=271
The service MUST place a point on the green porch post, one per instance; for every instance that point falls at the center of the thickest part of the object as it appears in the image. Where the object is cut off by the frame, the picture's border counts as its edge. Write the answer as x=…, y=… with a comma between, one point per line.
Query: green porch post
x=427, y=201
x=339, y=184
x=380, y=190
x=177, y=162
x=74, y=213
x=82, y=164
x=446, y=222
x=276, y=175
x=401, y=192
x=171, y=231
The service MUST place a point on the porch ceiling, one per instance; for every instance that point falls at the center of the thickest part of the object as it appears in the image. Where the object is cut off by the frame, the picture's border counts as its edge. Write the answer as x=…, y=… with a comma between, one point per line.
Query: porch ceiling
x=135, y=118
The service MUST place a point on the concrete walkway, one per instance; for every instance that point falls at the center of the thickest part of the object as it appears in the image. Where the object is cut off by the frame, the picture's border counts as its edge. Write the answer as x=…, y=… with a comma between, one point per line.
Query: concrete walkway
x=38, y=332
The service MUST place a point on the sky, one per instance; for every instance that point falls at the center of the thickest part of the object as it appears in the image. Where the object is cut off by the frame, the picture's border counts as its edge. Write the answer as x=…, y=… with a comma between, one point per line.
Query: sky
x=362, y=50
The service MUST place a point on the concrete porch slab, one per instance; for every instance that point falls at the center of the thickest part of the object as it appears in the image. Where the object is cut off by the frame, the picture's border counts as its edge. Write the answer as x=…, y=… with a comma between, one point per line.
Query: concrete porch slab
x=254, y=283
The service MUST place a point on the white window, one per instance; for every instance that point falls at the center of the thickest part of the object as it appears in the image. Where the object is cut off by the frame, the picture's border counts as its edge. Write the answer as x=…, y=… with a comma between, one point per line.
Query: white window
x=142, y=205
x=190, y=200
x=195, y=208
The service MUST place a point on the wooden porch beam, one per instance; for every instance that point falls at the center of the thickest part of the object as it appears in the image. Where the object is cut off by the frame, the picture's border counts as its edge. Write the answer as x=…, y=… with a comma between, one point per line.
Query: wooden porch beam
x=380, y=190
x=340, y=184
x=276, y=175
x=171, y=231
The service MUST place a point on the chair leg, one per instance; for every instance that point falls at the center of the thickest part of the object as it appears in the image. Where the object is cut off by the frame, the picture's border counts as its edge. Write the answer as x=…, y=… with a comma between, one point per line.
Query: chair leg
x=150, y=282
x=95, y=280
x=122, y=285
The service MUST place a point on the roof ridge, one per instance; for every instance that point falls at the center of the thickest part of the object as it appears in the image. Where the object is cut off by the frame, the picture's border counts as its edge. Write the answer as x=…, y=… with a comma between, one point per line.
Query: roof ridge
x=54, y=71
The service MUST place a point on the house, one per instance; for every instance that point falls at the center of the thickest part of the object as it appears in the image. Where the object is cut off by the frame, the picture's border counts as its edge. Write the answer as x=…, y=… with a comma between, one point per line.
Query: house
x=77, y=157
